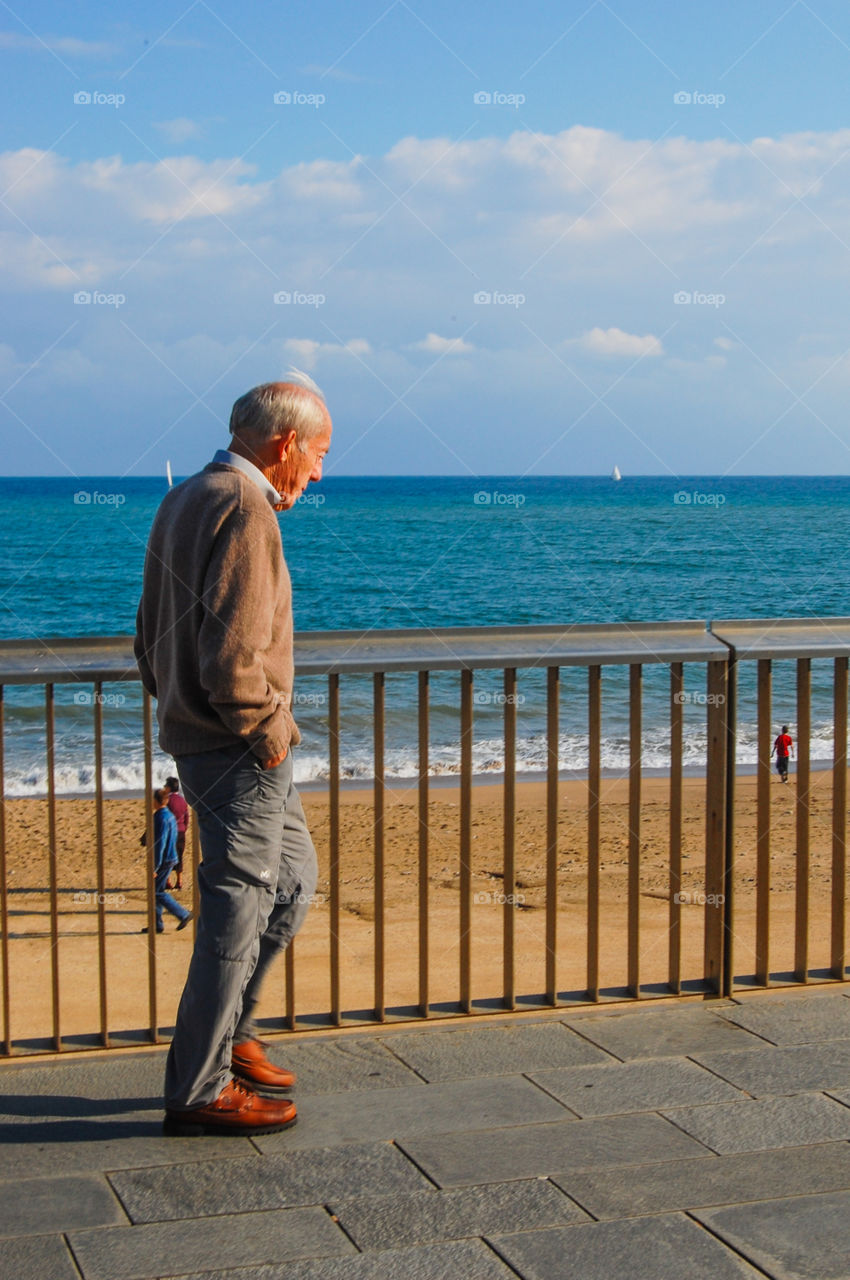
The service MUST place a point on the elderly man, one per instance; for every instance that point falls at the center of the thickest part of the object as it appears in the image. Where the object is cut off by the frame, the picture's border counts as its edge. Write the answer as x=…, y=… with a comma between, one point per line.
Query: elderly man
x=214, y=646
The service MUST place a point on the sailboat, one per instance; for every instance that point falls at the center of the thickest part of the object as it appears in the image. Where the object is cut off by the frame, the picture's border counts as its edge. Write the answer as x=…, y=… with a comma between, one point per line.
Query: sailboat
x=168, y=474
x=615, y=474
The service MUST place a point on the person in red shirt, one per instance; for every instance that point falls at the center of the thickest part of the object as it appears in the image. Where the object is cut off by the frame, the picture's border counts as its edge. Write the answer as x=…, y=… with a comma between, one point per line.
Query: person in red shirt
x=784, y=747
x=180, y=809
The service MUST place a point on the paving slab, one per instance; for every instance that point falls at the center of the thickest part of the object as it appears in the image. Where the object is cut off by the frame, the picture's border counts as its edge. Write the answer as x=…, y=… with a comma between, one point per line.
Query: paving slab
x=458, y=1260
x=91, y=1114
x=798, y=1020
x=335, y=1066
x=38, y=1206
x=84, y=1146
x=784, y=1069
x=640, y=1085
x=269, y=1182
x=454, y=1053
x=127, y=1076
x=237, y=1240
x=328, y=1119
x=635, y=1190
x=538, y=1150
x=756, y=1125
x=640, y=1248
x=805, y=1238
x=387, y=1222
x=663, y=1033
x=38, y=1258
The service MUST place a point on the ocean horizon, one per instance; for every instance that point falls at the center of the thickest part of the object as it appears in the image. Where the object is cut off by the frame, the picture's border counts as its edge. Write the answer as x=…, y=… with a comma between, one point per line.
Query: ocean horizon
x=377, y=552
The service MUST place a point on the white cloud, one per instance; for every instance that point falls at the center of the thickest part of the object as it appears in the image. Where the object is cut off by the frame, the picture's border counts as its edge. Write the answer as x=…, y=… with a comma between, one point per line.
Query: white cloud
x=309, y=351
x=444, y=346
x=70, y=46
x=615, y=342
x=200, y=247
x=304, y=350
x=181, y=129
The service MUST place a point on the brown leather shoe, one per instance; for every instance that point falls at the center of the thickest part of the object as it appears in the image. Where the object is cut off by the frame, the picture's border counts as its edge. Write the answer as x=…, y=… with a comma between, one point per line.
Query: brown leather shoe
x=237, y=1110
x=250, y=1063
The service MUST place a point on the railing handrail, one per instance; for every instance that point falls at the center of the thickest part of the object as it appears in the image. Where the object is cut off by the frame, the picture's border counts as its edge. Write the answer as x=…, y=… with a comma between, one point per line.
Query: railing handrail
x=71, y=660
x=755, y=638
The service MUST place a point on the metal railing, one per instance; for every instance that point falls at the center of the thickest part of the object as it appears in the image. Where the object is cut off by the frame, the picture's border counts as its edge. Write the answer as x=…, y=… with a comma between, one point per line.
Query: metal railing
x=725, y=648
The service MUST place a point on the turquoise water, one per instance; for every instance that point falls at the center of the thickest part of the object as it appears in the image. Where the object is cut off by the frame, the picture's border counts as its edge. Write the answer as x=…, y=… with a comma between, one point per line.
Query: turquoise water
x=409, y=552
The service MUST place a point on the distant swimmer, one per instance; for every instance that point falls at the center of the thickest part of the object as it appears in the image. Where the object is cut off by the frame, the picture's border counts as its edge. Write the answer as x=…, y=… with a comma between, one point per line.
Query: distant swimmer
x=784, y=747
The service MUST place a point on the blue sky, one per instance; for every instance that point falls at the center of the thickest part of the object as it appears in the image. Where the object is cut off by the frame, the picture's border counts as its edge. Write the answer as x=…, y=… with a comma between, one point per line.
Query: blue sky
x=504, y=238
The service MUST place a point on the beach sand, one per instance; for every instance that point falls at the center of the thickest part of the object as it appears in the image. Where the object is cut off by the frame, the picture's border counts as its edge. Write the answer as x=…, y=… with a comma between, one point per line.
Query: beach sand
x=127, y=950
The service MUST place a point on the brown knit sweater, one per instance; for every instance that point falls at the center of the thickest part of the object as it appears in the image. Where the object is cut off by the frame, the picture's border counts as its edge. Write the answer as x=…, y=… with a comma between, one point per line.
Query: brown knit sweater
x=214, y=627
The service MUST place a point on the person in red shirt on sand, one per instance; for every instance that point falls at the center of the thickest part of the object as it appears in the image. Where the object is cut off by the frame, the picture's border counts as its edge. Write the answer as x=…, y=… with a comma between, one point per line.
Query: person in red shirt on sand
x=180, y=809
x=783, y=746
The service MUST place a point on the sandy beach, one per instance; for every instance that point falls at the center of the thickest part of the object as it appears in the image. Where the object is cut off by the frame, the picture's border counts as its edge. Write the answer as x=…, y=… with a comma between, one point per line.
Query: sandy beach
x=125, y=882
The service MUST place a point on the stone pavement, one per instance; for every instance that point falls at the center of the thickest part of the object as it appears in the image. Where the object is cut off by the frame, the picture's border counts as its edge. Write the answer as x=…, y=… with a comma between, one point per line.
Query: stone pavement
x=684, y=1139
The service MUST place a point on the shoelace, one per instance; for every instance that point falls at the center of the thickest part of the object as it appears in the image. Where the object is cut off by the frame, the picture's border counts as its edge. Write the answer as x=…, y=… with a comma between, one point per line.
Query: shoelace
x=237, y=1087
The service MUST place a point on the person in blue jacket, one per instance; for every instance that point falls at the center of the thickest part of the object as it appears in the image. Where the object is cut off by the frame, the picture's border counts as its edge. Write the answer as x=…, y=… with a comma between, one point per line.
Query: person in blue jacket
x=165, y=860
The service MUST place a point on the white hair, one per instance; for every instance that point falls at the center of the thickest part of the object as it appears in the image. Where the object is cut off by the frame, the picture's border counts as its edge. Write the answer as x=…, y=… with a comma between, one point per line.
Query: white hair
x=276, y=408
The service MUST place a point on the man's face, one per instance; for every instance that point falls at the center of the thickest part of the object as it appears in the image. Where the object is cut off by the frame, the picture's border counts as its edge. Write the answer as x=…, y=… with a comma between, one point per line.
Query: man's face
x=298, y=469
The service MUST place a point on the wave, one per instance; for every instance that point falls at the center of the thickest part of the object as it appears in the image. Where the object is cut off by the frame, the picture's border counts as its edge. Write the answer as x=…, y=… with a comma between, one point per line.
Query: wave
x=74, y=776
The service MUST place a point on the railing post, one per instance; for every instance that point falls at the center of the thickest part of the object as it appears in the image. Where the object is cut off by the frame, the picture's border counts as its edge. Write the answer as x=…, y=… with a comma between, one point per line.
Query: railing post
x=763, y=824
x=466, y=689
x=674, y=915
x=4, y=887
x=380, y=784
x=594, y=773
x=509, y=842
x=150, y=862
x=553, y=687
x=50, y=719
x=801, y=897
x=424, y=993
x=633, y=906
x=715, y=824
x=333, y=845
x=839, y=819
x=730, y=719
x=101, y=870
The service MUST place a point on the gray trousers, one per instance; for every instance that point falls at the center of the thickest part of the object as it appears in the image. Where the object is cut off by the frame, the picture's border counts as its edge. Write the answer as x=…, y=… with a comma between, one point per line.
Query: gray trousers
x=257, y=875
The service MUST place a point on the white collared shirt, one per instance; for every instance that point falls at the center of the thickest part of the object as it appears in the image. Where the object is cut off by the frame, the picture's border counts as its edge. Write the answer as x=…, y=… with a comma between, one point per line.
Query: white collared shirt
x=228, y=459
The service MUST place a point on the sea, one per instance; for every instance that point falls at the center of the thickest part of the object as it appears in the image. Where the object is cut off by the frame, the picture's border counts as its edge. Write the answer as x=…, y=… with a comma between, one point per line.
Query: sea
x=386, y=552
